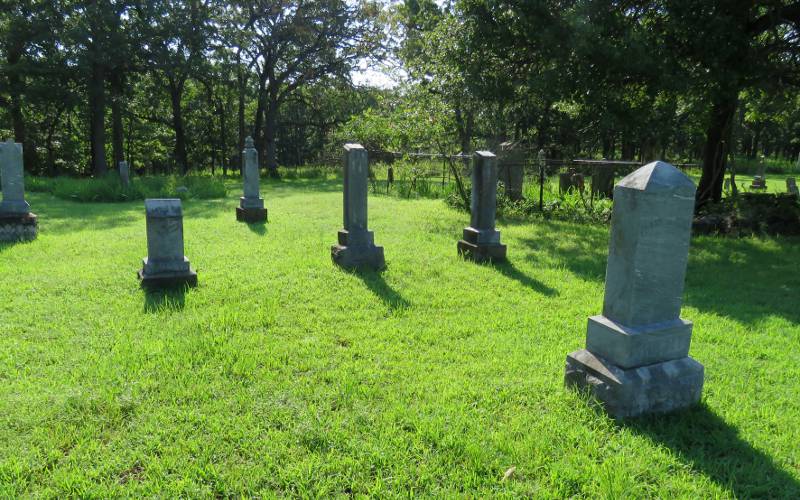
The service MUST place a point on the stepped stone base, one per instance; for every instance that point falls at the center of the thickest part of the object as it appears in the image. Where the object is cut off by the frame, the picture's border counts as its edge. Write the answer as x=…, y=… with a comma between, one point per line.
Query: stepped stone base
x=657, y=388
x=358, y=257
x=168, y=280
x=18, y=227
x=482, y=253
x=251, y=215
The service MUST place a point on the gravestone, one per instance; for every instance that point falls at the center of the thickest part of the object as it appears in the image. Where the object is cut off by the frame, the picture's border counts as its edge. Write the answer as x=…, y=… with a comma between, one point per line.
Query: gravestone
x=165, y=264
x=727, y=185
x=603, y=181
x=251, y=205
x=125, y=174
x=636, y=358
x=356, y=248
x=511, y=169
x=17, y=223
x=791, y=186
x=760, y=179
x=481, y=241
x=570, y=179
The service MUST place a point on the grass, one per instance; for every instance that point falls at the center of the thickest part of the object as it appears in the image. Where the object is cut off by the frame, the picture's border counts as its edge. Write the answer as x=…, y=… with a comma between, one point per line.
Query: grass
x=110, y=189
x=283, y=375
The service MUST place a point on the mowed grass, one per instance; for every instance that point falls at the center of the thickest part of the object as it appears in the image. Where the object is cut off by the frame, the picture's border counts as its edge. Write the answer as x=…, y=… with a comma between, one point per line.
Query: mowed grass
x=281, y=374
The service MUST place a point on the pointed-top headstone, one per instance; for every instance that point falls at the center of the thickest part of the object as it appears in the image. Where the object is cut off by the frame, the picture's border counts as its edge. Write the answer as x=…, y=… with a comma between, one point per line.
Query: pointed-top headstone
x=251, y=205
x=636, y=357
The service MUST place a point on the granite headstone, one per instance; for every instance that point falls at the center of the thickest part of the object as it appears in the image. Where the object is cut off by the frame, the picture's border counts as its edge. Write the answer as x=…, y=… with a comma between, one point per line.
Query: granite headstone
x=165, y=264
x=481, y=241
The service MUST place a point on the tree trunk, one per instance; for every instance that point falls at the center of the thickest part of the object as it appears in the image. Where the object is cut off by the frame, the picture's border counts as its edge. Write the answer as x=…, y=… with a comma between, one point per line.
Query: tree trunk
x=242, y=78
x=176, y=93
x=97, y=112
x=270, y=131
x=260, y=110
x=715, y=152
x=117, y=143
x=223, y=138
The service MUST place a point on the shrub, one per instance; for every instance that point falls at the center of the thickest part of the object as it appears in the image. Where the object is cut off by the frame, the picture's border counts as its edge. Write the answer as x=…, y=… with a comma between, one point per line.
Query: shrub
x=110, y=189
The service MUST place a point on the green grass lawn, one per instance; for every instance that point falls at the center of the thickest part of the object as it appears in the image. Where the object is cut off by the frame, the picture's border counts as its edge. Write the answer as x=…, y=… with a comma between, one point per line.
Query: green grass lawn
x=281, y=374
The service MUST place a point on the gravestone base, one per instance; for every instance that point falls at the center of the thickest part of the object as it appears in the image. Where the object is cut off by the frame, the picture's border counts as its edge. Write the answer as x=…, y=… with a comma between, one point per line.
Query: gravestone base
x=357, y=250
x=657, y=388
x=480, y=245
x=482, y=253
x=251, y=215
x=168, y=280
x=18, y=227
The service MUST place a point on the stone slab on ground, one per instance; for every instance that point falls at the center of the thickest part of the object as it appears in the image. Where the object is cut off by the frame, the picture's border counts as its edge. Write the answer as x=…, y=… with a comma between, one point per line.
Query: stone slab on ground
x=657, y=388
x=251, y=215
x=18, y=227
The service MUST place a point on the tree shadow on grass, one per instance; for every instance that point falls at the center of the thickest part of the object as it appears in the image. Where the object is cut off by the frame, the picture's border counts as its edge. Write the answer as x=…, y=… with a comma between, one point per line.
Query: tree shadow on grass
x=705, y=441
x=377, y=285
x=508, y=270
x=743, y=279
x=165, y=300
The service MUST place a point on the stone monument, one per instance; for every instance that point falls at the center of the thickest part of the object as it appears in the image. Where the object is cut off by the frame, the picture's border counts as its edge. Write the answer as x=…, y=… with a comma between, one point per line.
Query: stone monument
x=791, y=186
x=125, y=174
x=17, y=223
x=165, y=264
x=356, y=248
x=760, y=179
x=511, y=169
x=251, y=205
x=636, y=358
x=603, y=181
x=481, y=241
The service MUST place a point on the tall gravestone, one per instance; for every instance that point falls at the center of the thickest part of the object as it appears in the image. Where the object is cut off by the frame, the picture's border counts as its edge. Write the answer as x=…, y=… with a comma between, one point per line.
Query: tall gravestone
x=356, y=247
x=791, y=186
x=603, y=181
x=511, y=169
x=251, y=205
x=636, y=358
x=165, y=264
x=481, y=241
x=17, y=223
x=125, y=174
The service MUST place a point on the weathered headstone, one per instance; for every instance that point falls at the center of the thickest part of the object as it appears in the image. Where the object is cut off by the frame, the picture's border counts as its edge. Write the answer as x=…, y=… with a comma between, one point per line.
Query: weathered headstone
x=603, y=181
x=727, y=185
x=636, y=357
x=356, y=248
x=571, y=179
x=791, y=186
x=165, y=264
x=481, y=240
x=251, y=205
x=17, y=223
x=511, y=169
x=124, y=174
x=760, y=179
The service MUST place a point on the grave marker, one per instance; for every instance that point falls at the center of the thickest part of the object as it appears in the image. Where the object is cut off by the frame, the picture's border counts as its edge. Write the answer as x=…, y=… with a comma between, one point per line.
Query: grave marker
x=251, y=205
x=125, y=174
x=481, y=240
x=17, y=223
x=511, y=171
x=356, y=248
x=791, y=186
x=165, y=264
x=636, y=357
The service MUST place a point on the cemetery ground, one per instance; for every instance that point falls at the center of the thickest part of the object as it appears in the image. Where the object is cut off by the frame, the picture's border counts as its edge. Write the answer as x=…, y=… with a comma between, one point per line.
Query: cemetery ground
x=282, y=374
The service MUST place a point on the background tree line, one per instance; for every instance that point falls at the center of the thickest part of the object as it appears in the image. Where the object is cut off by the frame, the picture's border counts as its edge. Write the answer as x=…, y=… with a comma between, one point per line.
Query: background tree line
x=177, y=85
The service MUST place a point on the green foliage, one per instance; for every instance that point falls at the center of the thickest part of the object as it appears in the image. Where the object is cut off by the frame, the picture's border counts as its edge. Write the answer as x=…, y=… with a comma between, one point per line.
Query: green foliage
x=110, y=189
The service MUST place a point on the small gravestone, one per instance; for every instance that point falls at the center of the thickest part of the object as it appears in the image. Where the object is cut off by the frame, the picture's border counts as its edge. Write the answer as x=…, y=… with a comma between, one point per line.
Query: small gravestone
x=511, y=171
x=481, y=240
x=165, y=264
x=727, y=185
x=125, y=174
x=570, y=180
x=356, y=248
x=636, y=358
x=760, y=179
x=17, y=223
x=603, y=181
x=251, y=205
x=791, y=186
